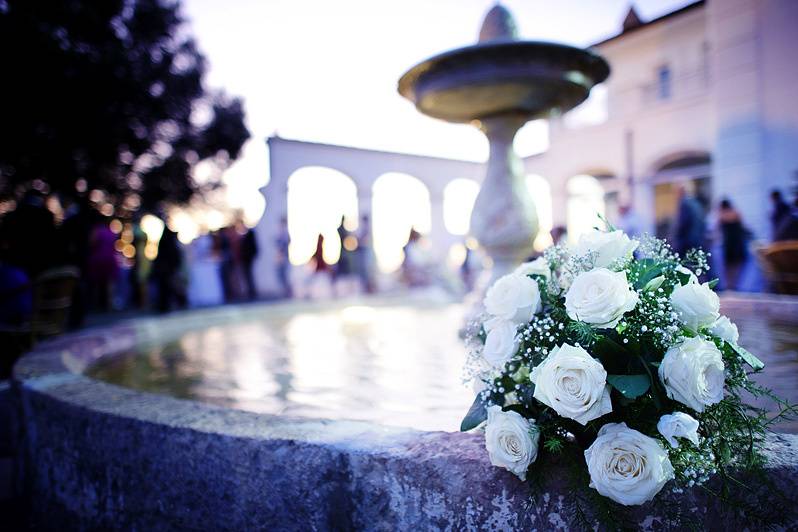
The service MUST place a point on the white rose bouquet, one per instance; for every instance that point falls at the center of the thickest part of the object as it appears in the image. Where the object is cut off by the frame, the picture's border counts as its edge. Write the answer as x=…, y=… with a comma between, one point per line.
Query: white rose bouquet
x=616, y=352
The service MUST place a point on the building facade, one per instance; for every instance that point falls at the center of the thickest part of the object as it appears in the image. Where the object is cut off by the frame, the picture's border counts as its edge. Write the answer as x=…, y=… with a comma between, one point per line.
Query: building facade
x=705, y=94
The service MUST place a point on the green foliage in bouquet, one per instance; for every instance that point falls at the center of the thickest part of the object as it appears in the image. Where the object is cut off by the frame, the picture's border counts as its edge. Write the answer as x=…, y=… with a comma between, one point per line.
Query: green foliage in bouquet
x=615, y=355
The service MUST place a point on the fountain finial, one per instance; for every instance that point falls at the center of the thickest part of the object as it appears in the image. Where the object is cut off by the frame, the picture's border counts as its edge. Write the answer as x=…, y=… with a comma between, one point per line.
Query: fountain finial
x=499, y=25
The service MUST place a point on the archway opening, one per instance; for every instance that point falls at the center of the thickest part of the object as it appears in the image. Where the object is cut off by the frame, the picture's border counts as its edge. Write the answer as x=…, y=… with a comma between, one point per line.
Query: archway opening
x=458, y=202
x=585, y=205
x=318, y=197
x=690, y=171
x=400, y=203
x=540, y=191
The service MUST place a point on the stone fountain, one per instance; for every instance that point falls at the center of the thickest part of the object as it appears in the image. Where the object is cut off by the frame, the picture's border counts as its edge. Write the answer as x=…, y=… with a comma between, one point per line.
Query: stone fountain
x=498, y=85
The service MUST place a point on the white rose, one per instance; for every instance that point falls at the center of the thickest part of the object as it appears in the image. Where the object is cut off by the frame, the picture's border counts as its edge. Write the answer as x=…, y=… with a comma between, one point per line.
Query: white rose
x=678, y=425
x=693, y=373
x=573, y=383
x=511, y=440
x=600, y=297
x=626, y=465
x=501, y=343
x=696, y=304
x=538, y=266
x=724, y=328
x=514, y=298
x=609, y=246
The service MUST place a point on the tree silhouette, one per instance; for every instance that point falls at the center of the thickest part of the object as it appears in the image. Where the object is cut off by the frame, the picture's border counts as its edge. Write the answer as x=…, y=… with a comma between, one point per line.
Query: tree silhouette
x=110, y=93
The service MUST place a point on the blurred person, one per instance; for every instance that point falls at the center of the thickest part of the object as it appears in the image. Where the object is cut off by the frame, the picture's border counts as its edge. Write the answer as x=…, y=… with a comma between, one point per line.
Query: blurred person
x=415, y=265
x=235, y=266
x=16, y=308
x=319, y=264
x=204, y=281
x=16, y=296
x=30, y=235
x=321, y=269
x=628, y=221
x=165, y=271
x=282, y=264
x=779, y=213
x=734, y=241
x=75, y=230
x=140, y=272
x=225, y=263
x=73, y=236
x=249, y=251
x=16, y=299
x=690, y=229
x=102, y=266
x=467, y=269
x=788, y=228
x=344, y=269
x=364, y=255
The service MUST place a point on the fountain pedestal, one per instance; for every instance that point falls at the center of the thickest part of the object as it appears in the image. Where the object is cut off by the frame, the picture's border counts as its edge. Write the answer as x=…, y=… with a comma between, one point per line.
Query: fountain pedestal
x=504, y=220
x=499, y=84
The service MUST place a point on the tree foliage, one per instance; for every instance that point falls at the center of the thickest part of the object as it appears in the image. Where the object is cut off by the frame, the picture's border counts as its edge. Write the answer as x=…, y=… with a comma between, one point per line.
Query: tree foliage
x=109, y=92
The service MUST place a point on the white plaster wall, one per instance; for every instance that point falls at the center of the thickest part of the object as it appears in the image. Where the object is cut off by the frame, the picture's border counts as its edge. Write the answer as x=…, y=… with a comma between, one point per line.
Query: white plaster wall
x=657, y=128
x=779, y=81
x=738, y=155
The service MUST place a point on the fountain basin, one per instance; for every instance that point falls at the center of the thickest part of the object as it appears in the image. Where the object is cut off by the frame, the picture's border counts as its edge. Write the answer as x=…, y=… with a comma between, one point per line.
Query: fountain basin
x=530, y=78
x=107, y=457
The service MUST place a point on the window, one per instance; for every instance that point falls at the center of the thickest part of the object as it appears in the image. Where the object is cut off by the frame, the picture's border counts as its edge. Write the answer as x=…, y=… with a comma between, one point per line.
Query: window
x=664, y=83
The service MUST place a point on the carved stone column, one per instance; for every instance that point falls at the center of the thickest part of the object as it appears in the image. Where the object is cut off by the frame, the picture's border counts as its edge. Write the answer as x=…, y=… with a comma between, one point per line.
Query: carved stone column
x=504, y=220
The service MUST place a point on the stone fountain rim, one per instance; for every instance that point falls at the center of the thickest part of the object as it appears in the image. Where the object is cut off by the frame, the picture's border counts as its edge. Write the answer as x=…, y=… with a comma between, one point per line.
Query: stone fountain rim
x=100, y=443
x=585, y=59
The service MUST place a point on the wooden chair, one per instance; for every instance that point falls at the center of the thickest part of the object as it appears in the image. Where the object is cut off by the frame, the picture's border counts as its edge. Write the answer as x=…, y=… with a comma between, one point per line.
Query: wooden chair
x=779, y=261
x=52, y=298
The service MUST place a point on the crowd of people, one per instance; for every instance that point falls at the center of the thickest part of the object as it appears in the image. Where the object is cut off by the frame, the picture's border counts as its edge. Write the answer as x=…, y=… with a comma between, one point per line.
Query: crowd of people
x=115, y=265
x=723, y=230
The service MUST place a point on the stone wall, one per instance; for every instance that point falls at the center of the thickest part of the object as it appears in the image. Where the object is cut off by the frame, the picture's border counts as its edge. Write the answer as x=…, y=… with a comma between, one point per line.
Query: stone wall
x=107, y=458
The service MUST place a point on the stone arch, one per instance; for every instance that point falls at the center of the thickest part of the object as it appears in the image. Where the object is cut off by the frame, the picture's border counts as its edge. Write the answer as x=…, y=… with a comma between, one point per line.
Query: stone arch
x=400, y=202
x=678, y=158
x=362, y=166
x=671, y=171
x=317, y=198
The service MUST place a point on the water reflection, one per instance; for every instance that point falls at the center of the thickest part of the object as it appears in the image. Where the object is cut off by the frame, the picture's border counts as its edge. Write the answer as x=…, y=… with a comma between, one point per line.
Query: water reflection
x=392, y=365
x=775, y=342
